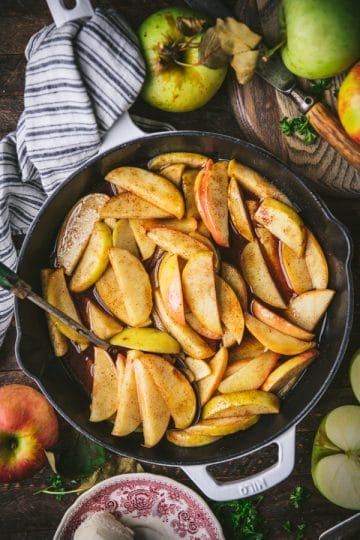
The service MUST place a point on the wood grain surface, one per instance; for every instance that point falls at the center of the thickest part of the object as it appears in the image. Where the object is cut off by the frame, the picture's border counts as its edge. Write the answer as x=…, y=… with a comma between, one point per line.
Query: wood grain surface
x=259, y=108
x=26, y=516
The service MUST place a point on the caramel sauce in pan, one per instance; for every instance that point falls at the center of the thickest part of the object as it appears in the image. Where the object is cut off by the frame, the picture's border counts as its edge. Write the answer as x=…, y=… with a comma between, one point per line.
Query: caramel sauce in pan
x=80, y=364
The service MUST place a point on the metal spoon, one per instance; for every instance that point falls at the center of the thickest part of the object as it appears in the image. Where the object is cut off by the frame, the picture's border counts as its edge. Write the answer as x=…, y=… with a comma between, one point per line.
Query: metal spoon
x=10, y=281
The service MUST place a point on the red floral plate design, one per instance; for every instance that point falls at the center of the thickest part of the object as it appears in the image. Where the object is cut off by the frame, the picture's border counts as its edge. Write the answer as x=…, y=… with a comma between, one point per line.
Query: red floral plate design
x=153, y=506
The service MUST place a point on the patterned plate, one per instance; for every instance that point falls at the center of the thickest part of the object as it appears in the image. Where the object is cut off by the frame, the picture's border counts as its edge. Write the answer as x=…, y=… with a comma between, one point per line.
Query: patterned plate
x=153, y=506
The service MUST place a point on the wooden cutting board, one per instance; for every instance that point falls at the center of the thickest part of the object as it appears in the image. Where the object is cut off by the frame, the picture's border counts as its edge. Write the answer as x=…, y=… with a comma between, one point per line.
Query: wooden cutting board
x=258, y=109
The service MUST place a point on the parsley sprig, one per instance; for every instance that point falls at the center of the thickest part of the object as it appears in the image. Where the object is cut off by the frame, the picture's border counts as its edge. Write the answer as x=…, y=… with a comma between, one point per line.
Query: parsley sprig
x=318, y=87
x=299, y=124
x=241, y=519
x=298, y=496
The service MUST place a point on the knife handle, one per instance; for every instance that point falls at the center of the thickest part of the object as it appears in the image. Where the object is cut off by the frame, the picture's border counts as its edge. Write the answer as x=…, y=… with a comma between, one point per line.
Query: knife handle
x=329, y=127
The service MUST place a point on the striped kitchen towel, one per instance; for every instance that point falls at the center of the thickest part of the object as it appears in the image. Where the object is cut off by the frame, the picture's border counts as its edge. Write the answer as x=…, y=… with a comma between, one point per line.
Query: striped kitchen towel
x=79, y=79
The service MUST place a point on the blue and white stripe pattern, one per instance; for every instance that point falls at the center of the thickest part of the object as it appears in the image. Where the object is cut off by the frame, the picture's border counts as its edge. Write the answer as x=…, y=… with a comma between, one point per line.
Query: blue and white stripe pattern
x=79, y=80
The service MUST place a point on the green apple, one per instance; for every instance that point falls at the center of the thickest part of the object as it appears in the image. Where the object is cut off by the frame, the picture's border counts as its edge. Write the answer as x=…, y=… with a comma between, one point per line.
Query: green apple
x=335, y=462
x=355, y=374
x=349, y=104
x=169, y=85
x=322, y=36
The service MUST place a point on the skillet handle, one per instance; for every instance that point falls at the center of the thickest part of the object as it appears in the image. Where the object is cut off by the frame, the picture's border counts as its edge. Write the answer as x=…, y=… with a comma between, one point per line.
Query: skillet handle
x=62, y=14
x=252, y=485
x=123, y=130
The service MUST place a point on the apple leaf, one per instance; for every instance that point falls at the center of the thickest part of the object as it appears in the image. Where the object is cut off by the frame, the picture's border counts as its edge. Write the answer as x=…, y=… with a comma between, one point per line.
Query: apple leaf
x=211, y=53
x=244, y=64
x=190, y=26
x=113, y=466
x=235, y=37
x=77, y=457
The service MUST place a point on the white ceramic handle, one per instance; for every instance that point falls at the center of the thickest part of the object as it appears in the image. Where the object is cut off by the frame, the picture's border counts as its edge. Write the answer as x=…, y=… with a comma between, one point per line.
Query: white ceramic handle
x=253, y=484
x=123, y=130
x=62, y=14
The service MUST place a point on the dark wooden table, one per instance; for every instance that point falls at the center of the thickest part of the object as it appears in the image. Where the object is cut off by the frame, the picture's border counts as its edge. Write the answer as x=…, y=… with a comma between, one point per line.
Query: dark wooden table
x=24, y=515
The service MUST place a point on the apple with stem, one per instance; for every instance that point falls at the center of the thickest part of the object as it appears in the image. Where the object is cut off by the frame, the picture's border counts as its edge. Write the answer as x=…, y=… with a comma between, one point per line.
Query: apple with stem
x=175, y=80
x=28, y=425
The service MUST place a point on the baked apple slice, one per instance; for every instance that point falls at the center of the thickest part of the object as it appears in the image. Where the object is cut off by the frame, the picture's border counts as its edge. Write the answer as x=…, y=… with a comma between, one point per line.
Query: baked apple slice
x=209, y=384
x=182, y=437
x=208, y=244
x=151, y=187
x=171, y=288
x=196, y=325
x=231, y=313
x=146, y=339
x=94, y=260
x=249, y=347
x=251, y=374
x=128, y=411
x=174, y=388
x=246, y=403
x=127, y=205
x=170, y=158
x=255, y=183
x=198, y=279
x=283, y=222
x=134, y=284
x=274, y=340
x=76, y=230
x=199, y=368
x=307, y=309
x=123, y=237
x=144, y=243
x=296, y=270
x=270, y=248
x=258, y=277
x=110, y=295
x=58, y=341
x=316, y=262
x=176, y=242
x=238, y=211
x=233, y=278
x=289, y=369
x=154, y=413
x=185, y=225
x=173, y=172
x=101, y=323
x=219, y=427
x=188, y=182
x=105, y=387
x=190, y=341
x=210, y=188
x=274, y=320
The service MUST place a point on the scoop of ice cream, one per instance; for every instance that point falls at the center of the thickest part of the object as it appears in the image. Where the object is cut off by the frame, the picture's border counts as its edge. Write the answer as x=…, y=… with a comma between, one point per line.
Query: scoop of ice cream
x=103, y=526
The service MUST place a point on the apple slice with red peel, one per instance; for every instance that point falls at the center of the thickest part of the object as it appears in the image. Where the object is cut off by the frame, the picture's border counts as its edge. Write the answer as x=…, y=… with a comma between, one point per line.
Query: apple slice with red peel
x=214, y=428
x=335, y=466
x=171, y=289
x=76, y=230
x=104, y=396
x=146, y=339
x=127, y=205
x=288, y=370
x=355, y=374
x=258, y=277
x=249, y=347
x=58, y=296
x=28, y=426
x=231, y=313
x=283, y=222
x=274, y=320
x=252, y=181
x=151, y=187
x=173, y=172
x=250, y=375
x=308, y=308
x=233, y=278
x=101, y=323
x=211, y=199
x=196, y=325
x=58, y=341
x=170, y=158
x=175, y=242
x=182, y=437
x=274, y=339
x=199, y=368
x=198, y=279
x=238, y=211
x=94, y=260
x=128, y=412
x=244, y=403
x=190, y=341
x=134, y=284
x=188, y=182
x=296, y=270
x=123, y=237
x=155, y=415
x=209, y=384
x=174, y=388
x=316, y=262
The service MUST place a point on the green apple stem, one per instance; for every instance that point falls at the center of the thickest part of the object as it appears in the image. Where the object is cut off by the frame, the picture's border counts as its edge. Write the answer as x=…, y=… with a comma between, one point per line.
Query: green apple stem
x=268, y=54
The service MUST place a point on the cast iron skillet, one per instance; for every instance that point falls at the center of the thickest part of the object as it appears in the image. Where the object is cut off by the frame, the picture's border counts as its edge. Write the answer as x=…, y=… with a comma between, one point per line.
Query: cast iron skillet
x=35, y=356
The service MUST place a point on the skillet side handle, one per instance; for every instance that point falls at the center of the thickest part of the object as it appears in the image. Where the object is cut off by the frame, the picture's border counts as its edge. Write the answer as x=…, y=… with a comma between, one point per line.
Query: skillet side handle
x=252, y=485
x=122, y=131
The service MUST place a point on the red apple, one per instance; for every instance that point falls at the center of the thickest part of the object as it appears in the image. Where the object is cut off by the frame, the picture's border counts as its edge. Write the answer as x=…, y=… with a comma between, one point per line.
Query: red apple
x=349, y=103
x=28, y=425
